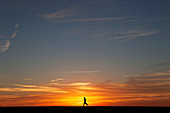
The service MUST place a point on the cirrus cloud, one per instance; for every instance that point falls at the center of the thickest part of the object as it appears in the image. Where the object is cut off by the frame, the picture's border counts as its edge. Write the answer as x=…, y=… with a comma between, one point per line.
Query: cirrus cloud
x=4, y=45
x=78, y=72
x=144, y=89
x=5, y=41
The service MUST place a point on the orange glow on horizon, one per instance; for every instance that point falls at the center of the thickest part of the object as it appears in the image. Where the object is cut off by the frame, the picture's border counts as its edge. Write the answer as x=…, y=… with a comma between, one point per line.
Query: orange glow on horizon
x=72, y=95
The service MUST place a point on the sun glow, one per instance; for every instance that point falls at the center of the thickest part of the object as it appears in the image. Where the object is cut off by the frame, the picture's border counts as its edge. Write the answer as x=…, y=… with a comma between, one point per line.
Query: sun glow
x=78, y=100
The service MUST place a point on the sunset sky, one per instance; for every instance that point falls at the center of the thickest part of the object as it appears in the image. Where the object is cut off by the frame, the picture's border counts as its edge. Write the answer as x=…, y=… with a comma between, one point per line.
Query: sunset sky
x=113, y=52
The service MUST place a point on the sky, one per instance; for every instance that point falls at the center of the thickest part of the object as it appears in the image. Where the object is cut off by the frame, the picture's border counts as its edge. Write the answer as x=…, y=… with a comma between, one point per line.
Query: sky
x=113, y=52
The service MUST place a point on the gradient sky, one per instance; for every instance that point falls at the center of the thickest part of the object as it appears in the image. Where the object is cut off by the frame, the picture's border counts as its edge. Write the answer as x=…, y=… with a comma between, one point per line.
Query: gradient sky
x=113, y=52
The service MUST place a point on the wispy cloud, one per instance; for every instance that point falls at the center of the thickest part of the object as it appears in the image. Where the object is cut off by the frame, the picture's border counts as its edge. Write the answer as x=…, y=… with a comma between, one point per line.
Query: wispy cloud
x=63, y=16
x=52, y=87
x=92, y=19
x=16, y=25
x=56, y=16
x=74, y=14
x=148, y=87
x=71, y=84
x=84, y=14
x=14, y=34
x=56, y=80
x=111, y=33
x=143, y=89
x=132, y=34
x=160, y=65
x=4, y=45
x=97, y=19
x=32, y=88
x=78, y=72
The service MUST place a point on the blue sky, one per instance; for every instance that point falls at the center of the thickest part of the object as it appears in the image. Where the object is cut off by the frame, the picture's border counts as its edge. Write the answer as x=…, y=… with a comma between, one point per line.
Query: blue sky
x=82, y=40
x=118, y=36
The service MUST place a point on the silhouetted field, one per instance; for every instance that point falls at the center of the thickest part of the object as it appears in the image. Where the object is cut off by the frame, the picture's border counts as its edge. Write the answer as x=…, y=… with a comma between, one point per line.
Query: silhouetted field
x=92, y=109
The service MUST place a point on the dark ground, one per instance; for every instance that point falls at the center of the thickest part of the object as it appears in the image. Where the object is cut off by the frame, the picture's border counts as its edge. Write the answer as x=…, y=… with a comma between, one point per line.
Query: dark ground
x=91, y=109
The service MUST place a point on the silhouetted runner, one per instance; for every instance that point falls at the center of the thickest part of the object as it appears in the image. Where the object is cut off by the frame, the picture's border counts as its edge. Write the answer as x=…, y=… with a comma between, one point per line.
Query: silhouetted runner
x=85, y=103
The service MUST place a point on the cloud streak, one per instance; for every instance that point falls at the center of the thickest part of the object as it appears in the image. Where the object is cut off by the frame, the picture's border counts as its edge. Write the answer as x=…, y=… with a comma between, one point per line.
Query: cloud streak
x=74, y=14
x=61, y=17
x=97, y=19
x=56, y=80
x=32, y=88
x=4, y=45
x=143, y=89
x=14, y=34
x=58, y=15
x=77, y=72
x=112, y=34
x=82, y=14
x=160, y=65
x=91, y=19
x=132, y=34
x=100, y=19
x=71, y=84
